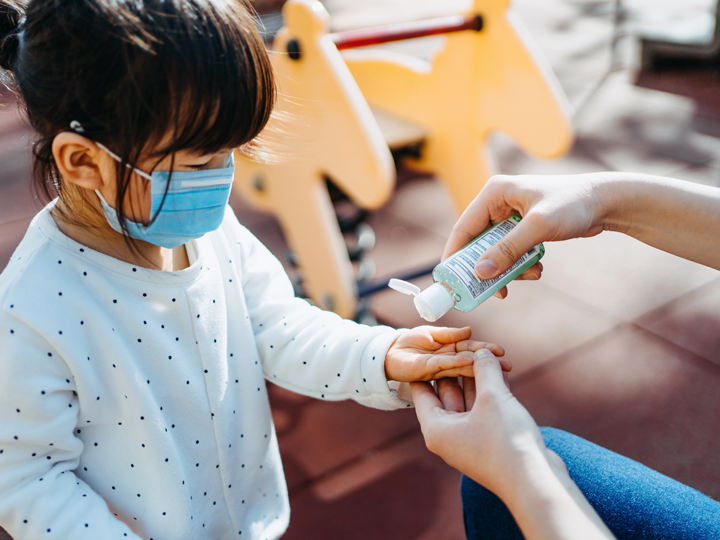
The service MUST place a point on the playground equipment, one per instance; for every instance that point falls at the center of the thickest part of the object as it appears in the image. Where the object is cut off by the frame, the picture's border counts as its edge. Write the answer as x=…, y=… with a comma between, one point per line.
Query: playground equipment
x=481, y=81
x=487, y=76
x=331, y=133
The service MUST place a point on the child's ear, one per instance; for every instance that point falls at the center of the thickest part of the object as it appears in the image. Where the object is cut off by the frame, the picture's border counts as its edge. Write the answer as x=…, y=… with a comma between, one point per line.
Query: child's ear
x=80, y=161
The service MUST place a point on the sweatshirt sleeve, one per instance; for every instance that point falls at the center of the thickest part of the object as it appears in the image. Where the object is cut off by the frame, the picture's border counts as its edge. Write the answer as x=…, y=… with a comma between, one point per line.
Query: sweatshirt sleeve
x=308, y=350
x=40, y=496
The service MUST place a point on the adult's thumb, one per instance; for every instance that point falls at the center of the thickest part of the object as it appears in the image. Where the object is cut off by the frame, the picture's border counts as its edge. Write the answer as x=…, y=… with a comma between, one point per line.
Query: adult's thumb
x=506, y=251
x=488, y=373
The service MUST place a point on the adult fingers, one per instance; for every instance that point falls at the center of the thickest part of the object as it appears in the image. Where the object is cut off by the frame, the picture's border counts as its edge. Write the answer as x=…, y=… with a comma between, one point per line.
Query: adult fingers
x=469, y=392
x=474, y=220
x=533, y=273
x=450, y=394
x=488, y=374
x=472, y=346
x=501, y=256
x=502, y=293
x=425, y=399
x=492, y=205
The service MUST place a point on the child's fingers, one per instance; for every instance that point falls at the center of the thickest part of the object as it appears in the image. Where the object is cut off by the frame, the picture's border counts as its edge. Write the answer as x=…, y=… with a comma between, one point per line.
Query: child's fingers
x=505, y=364
x=473, y=346
x=497, y=350
x=459, y=365
x=469, y=392
x=466, y=370
x=463, y=371
x=439, y=362
x=449, y=335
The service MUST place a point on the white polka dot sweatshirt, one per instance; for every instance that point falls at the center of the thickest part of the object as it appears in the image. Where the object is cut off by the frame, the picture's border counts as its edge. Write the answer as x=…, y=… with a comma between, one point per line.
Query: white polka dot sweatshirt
x=133, y=401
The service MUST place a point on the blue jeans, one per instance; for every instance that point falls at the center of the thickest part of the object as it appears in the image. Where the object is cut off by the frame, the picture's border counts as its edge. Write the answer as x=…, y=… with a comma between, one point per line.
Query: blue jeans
x=634, y=501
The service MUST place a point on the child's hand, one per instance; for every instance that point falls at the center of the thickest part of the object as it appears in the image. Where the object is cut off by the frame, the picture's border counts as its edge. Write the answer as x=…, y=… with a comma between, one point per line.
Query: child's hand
x=428, y=352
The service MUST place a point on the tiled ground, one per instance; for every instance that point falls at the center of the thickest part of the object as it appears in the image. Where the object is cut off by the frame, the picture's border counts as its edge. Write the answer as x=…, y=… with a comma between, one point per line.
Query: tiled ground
x=617, y=343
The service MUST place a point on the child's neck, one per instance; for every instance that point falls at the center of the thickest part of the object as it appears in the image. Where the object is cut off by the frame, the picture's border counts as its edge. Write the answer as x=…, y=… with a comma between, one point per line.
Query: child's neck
x=99, y=236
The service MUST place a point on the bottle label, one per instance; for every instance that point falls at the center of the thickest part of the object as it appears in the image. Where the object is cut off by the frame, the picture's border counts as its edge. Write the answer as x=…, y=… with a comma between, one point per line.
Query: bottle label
x=462, y=263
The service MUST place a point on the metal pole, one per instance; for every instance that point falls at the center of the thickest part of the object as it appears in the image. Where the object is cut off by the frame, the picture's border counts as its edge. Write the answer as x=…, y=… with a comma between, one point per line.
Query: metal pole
x=397, y=32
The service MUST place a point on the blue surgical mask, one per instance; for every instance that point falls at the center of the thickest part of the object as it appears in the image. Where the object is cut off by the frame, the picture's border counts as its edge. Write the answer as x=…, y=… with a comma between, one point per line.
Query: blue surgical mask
x=194, y=205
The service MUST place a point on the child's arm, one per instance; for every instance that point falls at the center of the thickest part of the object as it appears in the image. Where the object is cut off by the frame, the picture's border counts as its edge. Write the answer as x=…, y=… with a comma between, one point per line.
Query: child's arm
x=40, y=497
x=317, y=353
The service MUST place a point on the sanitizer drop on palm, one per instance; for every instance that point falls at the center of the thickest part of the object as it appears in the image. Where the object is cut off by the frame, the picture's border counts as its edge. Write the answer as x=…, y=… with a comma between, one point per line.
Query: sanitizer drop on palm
x=456, y=284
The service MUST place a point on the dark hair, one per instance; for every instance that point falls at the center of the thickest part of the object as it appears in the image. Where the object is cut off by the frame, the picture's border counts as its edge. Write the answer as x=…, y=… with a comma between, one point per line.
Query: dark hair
x=132, y=71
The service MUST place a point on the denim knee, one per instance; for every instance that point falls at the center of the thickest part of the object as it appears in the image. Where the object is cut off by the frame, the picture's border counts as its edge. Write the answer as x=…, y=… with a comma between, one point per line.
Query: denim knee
x=486, y=517
x=634, y=501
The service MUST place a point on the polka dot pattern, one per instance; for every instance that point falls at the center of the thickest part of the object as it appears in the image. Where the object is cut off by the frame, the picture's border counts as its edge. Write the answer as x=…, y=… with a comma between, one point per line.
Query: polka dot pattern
x=160, y=377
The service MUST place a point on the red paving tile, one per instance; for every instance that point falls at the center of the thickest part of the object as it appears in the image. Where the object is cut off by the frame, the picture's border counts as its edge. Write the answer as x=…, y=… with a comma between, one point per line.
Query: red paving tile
x=270, y=234
x=637, y=395
x=665, y=130
x=692, y=321
x=513, y=160
x=10, y=236
x=616, y=155
x=16, y=197
x=402, y=492
x=247, y=214
x=425, y=202
x=17, y=201
x=15, y=133
x=618, y=98
x=620, y=275
x=355, y=472
x=318, y=436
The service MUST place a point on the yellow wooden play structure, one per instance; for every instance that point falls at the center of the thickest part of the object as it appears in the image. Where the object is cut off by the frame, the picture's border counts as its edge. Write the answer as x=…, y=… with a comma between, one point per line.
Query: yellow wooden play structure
x=486, y=77
x=480, y=82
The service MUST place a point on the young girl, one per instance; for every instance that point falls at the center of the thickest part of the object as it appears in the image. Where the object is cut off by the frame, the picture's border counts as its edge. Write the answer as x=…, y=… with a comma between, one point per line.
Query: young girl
x=138, y=318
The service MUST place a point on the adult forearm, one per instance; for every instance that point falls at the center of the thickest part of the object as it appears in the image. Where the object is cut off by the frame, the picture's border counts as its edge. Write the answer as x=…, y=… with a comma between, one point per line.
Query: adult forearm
x=546, y=504
x=679, y=217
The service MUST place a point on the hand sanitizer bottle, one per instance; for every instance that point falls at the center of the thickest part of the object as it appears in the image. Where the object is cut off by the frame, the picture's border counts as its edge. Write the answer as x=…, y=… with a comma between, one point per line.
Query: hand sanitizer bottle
x=456, y=284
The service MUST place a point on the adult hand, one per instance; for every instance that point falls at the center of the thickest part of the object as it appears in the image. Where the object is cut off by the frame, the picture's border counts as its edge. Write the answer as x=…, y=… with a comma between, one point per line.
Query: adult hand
x=490, y=437
x=552, y=208
x=481, y=430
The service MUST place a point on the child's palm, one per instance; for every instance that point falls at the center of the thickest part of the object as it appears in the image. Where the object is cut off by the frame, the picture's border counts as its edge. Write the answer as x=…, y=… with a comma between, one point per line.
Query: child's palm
x=427, y=352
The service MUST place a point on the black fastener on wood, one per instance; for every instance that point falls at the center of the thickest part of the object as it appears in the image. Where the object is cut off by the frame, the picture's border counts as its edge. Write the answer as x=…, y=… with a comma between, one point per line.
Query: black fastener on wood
x=293, y=49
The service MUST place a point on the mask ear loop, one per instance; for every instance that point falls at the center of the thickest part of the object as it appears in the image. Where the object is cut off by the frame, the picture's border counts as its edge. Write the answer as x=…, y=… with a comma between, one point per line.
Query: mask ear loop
x=77, y=127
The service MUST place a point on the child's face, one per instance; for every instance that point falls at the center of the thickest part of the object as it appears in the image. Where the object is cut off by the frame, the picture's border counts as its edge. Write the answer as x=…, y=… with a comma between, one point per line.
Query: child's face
x=138, y=202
